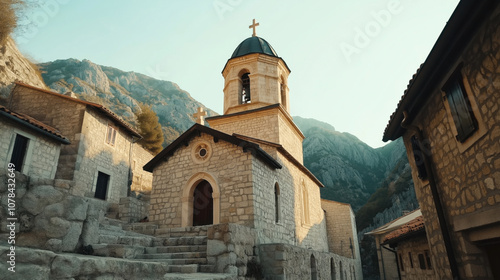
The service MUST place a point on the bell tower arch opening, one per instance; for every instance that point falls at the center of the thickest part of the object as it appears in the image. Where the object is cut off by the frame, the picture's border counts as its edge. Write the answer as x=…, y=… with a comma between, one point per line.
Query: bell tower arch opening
x=245, y=87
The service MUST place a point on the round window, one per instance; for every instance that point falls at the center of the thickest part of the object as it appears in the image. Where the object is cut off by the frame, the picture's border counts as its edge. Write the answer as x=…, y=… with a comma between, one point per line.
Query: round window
x=201, y=152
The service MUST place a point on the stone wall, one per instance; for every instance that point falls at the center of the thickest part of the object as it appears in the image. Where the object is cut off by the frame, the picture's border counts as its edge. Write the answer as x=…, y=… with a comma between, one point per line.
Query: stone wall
x=67, y=118
x=48, y=216
x=282, y=261
x=413, y=269
x=95, y=155
x=467, y=174
x=134, y=209
x=42, y=153
x=227, y=169
x=278, y=128
x=341, y=229
x=142, y=181
x=230, y=249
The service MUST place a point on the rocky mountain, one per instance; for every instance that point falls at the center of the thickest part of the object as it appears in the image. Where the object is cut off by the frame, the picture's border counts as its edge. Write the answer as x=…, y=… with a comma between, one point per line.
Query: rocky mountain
x=123, y=91
x=350, y=169
x=15, y=67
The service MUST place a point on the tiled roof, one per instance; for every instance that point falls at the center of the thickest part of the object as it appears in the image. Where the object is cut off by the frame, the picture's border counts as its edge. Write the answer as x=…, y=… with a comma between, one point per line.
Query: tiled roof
x=33, y=123
x=413, y=227
x=99, y=107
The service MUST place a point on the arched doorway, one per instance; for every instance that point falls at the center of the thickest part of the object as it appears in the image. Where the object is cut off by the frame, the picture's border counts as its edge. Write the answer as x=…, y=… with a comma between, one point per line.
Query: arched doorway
x=203, y=204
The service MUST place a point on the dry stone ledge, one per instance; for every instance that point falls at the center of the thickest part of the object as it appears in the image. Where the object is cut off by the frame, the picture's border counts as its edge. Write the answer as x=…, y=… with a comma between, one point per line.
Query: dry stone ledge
x=37, y=264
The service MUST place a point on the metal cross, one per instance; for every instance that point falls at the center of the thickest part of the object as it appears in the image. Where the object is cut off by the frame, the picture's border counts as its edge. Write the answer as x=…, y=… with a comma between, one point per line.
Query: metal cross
x=253, y=26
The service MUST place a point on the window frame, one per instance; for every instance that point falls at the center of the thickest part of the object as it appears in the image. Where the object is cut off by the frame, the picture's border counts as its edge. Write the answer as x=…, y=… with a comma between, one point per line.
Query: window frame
x=25, y=168
x=111, y=139
x=460, y=107
x=481, y=128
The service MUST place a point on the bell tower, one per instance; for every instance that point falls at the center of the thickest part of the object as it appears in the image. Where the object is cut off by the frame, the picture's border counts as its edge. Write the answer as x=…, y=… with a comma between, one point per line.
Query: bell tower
x=255, y=76
x=256, y=96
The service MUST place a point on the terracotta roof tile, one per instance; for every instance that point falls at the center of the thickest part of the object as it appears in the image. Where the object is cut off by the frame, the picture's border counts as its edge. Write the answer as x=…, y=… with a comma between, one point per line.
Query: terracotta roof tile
x=412, y=227
x=34, y=122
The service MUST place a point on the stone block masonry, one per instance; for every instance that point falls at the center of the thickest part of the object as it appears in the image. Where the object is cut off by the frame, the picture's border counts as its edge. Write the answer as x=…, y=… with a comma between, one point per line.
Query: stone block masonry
x=49, y=217
x=282, y=261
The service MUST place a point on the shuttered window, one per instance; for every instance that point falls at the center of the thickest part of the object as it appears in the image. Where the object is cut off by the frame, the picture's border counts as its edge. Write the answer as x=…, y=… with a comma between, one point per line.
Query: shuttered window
x=460, y=108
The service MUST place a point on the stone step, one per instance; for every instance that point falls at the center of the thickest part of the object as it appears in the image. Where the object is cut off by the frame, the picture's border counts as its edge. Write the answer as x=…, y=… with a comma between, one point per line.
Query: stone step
x=175, y=262
x=192, y=268
x=176, y=249
x=164, y=231
x=117, y=251
x=187, y=240
x=126, y=240
x=184, y=255
x=199, y=276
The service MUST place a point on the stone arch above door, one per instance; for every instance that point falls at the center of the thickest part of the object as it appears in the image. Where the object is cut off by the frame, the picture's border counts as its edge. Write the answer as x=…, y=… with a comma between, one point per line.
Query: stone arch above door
x=187, y=197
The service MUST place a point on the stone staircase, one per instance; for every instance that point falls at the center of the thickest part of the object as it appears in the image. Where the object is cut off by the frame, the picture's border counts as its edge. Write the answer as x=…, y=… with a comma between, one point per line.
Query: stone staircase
x=183, y=250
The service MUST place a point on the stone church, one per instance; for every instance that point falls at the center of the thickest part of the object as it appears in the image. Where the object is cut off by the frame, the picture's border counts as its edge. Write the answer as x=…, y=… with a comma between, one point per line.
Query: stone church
x=243, y=173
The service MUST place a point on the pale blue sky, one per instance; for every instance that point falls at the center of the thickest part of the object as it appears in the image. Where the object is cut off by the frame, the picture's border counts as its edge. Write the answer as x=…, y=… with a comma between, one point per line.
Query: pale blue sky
x=350, y=60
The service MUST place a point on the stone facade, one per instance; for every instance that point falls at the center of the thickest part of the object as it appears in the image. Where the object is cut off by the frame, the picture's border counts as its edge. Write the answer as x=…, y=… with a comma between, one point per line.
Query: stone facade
x=42, y=153
x=279, y=126
x=86, y=125
x=341, y=226
x=281, y=261
x=466, y=173
x=414, y=260
x=264, y=207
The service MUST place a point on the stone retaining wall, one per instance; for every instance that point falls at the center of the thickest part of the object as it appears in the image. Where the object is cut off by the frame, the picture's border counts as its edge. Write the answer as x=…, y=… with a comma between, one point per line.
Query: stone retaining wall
x=282, y=261
x=48, y=216
x=133, y=209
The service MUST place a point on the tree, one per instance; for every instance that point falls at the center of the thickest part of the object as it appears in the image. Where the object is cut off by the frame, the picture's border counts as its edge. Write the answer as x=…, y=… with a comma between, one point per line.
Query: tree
x=150, y=129
x=8, y=18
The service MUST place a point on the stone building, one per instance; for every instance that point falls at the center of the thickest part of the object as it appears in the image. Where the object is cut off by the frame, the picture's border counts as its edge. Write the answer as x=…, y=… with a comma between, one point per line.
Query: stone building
x=449, y=118
x=101, y=158
x=30, y=145
x=246, y=172
x=402, y=249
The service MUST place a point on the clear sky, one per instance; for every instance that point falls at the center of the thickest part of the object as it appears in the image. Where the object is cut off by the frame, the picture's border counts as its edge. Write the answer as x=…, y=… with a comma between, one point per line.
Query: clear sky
x=351, y=60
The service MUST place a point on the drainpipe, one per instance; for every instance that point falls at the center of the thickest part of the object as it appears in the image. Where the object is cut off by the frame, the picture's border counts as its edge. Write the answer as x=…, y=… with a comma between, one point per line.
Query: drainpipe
x=436, y=198
x=130, y=178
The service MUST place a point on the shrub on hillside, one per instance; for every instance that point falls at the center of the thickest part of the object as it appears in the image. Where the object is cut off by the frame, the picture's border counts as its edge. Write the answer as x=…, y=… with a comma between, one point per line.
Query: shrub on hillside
x=8, y=18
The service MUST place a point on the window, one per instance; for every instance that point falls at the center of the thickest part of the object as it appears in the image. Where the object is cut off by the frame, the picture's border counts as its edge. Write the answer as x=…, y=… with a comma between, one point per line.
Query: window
x=276, y=203
x=419, y=158
x=401, y=262
x=428, y=259
x=19, y=152
x=421, y=261
x=111, y=135
x=460, y=107
x=245, y=91
x=305, y=205
x=411, y=260
x=314, y=271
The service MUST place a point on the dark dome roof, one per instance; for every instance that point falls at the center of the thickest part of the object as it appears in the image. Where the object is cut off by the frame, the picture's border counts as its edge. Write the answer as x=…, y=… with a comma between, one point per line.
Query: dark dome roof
x=254, y=45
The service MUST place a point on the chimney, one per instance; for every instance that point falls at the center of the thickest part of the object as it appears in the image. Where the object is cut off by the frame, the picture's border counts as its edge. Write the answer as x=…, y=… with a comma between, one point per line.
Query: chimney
x=70, y=94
